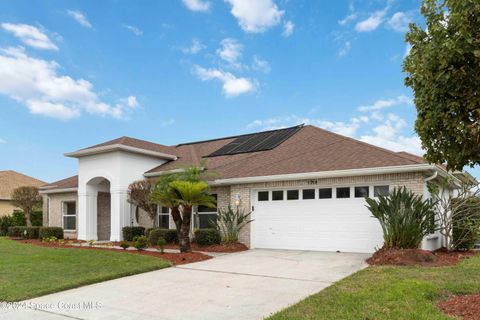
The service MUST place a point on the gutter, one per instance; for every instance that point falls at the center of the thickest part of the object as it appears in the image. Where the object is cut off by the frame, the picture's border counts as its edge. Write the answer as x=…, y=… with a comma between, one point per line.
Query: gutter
x=64, y=190
x=119, y=147
x=159, y=173
x=330, y=174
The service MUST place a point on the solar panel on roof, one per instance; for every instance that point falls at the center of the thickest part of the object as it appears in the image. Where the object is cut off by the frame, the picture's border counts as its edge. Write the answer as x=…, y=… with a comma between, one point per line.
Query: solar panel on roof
x=260, y=141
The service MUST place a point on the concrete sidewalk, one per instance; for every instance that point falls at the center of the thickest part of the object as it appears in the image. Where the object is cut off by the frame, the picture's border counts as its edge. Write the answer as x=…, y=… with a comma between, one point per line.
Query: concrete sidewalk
x=245, y=285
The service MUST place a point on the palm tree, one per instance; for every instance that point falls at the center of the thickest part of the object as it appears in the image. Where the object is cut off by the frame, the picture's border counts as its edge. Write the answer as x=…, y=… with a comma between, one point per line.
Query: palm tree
x=190, y=194
x=180, y=198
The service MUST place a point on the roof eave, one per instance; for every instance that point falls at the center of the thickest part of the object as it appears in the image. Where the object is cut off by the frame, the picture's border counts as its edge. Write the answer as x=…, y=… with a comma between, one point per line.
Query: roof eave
x=119, y=147
x=61, y=190
x=327, y=174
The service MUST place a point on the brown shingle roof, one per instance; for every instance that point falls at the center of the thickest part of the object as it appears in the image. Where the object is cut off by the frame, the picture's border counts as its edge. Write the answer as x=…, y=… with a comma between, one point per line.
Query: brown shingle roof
x=311, y=149
x=67, y=183
x=10, y=180
x=136, y=143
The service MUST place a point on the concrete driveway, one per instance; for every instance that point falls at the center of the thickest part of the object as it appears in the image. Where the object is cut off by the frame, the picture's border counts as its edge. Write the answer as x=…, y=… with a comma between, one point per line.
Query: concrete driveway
x=246, y=285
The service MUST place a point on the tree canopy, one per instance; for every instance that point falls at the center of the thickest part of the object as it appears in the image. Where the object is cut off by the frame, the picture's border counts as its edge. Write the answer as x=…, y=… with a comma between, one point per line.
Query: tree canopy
x=443, y=69
x=27, y=198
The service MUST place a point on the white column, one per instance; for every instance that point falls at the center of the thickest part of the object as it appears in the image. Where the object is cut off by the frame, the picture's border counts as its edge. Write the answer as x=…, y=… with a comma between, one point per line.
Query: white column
x=87, y=215
x=119, y=213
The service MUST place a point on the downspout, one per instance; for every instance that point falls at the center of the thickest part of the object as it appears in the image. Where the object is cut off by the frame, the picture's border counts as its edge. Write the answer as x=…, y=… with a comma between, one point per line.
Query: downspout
x=435, y=174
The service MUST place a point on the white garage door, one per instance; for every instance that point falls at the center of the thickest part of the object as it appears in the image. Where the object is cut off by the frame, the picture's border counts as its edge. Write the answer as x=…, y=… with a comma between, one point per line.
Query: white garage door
x=324, y=219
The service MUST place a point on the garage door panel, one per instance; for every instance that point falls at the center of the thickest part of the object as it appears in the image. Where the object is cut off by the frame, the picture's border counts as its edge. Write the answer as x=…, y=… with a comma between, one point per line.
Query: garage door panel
x=316, y=224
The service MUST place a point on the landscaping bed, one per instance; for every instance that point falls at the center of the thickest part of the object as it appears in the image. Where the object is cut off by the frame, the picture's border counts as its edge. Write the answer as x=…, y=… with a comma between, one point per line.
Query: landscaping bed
x=418, y=257
x=463, y=307
x=227, y=247
x=174, y=258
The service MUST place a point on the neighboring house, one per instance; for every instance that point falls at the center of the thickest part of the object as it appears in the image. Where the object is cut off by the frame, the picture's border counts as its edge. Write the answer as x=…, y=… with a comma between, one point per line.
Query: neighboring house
x=9, y=181
x=304, y=185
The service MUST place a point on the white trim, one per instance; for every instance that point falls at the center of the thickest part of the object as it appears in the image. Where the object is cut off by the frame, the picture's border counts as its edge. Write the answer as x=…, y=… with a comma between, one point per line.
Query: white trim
x=116, y=147
x=69, y=215
x=329, y=174
x=64, y=190
x=159, y=173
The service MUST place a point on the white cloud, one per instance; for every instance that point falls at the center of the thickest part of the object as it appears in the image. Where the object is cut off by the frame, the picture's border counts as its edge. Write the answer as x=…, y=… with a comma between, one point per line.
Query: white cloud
x=347, y=19
x=372, y=22
x=386, y=103
x=197, y=5
x=230, y=51
x=388, y=135
x=37, y=84
x=132, y=101
x=256, y=15
x=288, y=29
x=232, y=86
x=194, y=48
x=399, y=21
x=80, y=18
x=261, y=65
x=345, y=49
x=136, y=31
x=30, y=36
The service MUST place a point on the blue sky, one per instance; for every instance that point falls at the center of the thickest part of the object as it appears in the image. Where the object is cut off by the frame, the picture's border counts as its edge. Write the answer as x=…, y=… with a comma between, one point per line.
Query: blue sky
x=77, y=73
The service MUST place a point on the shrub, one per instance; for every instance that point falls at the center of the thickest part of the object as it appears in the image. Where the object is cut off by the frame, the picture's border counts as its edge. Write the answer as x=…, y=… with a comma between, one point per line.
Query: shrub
x=16, y=232
x=405, y=218
x=466, y=224
x=161, y=243
x=5, y=223
x=170, y=235
x=37, y=218
x=230, y=222
x=140, y=242
x=31, y=232
x=207, y=237
x=48, y=232
x=19, y=218
x=49, y=239
x=124, y=245
x=131, y=232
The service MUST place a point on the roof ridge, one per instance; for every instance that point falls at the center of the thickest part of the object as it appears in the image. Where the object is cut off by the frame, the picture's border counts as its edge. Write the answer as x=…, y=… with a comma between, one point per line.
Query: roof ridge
x=364, y=143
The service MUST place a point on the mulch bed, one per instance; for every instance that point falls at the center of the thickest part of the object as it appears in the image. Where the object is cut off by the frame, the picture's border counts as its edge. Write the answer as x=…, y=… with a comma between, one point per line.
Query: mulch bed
x=463, y=307
x=174, y=258
x=418, y=257
x=224, y=247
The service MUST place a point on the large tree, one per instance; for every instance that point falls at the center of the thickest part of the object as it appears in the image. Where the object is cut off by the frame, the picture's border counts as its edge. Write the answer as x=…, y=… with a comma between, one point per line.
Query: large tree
x=443, y=69
x=139, y=194
x=27, y=199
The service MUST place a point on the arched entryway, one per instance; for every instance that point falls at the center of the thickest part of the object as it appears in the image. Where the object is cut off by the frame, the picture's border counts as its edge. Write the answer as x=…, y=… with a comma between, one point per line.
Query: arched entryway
x=99, y=190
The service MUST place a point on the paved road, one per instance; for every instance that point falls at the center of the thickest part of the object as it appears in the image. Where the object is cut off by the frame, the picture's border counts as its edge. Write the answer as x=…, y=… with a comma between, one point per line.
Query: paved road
x=246, y=285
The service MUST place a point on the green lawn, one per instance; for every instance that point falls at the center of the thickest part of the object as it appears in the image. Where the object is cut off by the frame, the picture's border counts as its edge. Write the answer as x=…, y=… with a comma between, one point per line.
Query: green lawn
x=28, y=271
x=389, y=293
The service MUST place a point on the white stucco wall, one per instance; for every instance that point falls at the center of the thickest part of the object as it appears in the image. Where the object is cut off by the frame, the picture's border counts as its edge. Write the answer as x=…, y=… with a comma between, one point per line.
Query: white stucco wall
x=120, y=168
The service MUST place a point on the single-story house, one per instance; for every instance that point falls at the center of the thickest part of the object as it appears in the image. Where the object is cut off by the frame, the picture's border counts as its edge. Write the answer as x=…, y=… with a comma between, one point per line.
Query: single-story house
x=304, y=185
x=9, y=181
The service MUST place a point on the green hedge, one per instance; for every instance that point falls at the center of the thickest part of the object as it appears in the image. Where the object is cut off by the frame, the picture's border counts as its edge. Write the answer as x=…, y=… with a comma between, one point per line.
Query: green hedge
x=19, y=218
x=23, y=232
x=206, y=237
x=48, y=232
x=5, y=223
x=170, y=235
x=131, y=232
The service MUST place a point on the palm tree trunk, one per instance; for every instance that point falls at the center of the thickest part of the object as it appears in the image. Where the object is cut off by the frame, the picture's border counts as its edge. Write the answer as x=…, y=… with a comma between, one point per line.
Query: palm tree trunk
x=184, y=234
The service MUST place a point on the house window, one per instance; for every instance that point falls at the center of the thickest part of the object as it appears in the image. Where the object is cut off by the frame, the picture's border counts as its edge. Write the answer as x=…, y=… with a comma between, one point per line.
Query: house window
x=361, y=192
x=206, y=216
x=308, y=194
x=262, y=195
x=69, y=213
x=380, y=191
x=343, y=193
x=325, y=193
x=292, y=195
x=163, y=217
x=277, y=195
